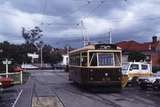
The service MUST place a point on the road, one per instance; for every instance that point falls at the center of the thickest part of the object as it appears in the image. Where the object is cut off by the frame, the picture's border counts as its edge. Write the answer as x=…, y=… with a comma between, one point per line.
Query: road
x=53, y=83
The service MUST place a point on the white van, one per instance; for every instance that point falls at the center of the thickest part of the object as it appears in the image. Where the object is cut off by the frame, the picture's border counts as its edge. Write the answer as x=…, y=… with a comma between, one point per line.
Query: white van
x=134, y=70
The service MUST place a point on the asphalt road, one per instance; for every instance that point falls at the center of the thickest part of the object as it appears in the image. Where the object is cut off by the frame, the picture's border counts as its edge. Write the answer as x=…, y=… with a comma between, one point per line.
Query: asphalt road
x=54, y=83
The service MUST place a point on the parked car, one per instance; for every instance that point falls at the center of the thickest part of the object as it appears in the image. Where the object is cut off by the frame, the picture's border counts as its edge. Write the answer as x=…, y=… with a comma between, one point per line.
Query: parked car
x=150, y=82
x=156, y=84
x=17, y=68
x=134, y=70
x=5, y=82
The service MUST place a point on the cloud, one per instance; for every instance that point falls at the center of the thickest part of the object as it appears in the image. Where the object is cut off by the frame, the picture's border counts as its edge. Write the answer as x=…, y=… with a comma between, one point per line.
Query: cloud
x=12, y=20
x=61, y=18
x=96, y=26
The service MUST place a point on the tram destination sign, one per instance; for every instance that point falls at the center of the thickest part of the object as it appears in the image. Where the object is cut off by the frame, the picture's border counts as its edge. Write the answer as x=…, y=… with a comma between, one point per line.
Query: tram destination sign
x=105, y=46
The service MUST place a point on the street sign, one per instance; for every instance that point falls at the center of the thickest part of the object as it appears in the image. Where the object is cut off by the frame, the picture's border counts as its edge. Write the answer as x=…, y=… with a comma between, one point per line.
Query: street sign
x=6, y=62
x=33, y=55
x=1, y=50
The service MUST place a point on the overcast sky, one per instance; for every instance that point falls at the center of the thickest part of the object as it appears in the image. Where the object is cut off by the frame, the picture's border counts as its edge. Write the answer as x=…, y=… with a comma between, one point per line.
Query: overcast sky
x=60, y=20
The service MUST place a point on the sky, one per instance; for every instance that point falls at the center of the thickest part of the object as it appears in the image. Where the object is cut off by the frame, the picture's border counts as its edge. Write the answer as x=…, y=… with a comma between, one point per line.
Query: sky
x=66, y=22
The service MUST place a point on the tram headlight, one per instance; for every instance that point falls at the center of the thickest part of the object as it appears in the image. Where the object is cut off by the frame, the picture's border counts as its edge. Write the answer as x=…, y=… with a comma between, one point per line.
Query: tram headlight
x=106, y=74
x=91, y=70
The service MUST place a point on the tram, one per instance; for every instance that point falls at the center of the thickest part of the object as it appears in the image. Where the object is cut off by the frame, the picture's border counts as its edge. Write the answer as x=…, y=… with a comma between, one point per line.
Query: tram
x=96, y=65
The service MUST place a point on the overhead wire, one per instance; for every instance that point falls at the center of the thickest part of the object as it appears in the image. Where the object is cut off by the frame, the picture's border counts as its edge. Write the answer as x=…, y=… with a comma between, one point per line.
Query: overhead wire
x=100, y=3
x=44, y=8
x=84, y=5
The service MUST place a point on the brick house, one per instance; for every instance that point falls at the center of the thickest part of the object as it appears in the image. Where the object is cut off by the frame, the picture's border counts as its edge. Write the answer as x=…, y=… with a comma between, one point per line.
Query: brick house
x=150, y=49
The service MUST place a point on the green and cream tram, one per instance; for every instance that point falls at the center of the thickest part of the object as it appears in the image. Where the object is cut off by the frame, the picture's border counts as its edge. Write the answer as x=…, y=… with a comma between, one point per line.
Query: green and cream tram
x=96, y=65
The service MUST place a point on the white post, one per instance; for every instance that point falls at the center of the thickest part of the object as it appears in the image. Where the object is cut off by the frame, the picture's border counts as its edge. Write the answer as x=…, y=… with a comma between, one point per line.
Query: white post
x=21, y=77
x=110, y=37
x=41, y=57
x=6, y=68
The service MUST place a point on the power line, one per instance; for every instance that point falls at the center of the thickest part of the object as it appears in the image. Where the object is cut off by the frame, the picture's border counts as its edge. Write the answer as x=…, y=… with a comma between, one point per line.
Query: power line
x=84, y=5
x=44, y=8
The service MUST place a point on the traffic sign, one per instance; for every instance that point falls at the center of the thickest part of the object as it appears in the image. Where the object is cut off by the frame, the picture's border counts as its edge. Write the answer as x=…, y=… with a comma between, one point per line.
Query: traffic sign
x=6, y=62
x=33, y=55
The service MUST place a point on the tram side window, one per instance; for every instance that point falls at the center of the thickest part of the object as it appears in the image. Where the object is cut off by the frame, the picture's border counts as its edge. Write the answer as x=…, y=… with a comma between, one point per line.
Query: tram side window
x=93, y=59
x=71, y=60
x=75, y=60
x=105, y=59
x=84, y=59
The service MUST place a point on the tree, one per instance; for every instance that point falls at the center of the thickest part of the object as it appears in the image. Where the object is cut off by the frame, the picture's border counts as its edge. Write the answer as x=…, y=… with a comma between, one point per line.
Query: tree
x=136, y=56
x=53, y=58
x=18, y=53
x=31, y=36
x=50, y=56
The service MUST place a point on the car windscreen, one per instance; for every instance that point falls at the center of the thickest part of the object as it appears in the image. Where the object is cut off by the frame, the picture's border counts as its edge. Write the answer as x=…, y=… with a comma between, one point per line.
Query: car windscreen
x=125, y=66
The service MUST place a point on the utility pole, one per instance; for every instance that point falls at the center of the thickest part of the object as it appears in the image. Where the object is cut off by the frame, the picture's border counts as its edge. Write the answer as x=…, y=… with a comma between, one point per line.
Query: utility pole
x=110, y=36
x=6, y=68
x=85, y=37
x=41, y=56
x=40, y=46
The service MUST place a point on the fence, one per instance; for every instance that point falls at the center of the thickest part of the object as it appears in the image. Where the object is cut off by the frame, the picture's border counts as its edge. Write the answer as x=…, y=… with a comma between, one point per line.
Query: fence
x=16, y=76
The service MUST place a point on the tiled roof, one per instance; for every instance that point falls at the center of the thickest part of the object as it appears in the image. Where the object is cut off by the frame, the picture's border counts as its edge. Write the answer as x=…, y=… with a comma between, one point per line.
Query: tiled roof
x=135, y=46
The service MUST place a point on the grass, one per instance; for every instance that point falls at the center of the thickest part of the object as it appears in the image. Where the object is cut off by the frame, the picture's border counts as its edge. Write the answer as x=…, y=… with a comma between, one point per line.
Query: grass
x=16, y=77
x=26, y=76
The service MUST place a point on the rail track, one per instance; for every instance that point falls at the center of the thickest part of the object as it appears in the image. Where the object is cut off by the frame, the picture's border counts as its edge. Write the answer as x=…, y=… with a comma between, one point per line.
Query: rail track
x=107, y=99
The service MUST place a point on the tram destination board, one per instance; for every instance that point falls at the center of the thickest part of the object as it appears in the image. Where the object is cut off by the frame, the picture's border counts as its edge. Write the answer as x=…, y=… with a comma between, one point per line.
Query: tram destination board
x=105, y=46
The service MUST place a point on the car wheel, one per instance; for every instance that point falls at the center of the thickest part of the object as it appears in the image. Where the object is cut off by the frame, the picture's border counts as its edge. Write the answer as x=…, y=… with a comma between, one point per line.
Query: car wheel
x=143, y=87
x=134, y=81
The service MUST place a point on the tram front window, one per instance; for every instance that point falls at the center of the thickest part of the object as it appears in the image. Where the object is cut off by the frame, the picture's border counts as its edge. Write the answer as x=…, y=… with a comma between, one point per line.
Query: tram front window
x=105, y=59
x=93, y=59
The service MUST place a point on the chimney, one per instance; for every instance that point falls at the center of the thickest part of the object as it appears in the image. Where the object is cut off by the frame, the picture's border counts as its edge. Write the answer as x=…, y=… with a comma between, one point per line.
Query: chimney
x=154, y=39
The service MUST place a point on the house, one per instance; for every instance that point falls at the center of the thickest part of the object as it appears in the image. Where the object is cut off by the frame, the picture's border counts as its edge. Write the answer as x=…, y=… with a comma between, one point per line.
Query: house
x=150, y=49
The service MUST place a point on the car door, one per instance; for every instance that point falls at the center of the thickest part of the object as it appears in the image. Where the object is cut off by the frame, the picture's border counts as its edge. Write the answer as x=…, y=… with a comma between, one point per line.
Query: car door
x=145, y=69
x=134, y=70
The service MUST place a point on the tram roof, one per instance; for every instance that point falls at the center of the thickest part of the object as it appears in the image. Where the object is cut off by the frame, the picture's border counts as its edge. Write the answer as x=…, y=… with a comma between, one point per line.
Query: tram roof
x=97, y=47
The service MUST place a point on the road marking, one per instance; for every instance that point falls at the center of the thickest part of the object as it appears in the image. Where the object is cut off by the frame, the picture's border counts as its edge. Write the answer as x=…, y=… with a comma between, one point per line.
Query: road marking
x=15, y=102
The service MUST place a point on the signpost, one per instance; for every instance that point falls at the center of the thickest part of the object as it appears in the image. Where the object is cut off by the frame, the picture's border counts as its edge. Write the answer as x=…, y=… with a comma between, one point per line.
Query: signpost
x=33, y=56
x=6, y=62
x=40, y=46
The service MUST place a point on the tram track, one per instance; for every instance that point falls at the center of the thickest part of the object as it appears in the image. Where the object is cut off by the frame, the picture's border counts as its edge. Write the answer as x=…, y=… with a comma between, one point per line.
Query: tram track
x=94, y=97
x=44, y=84
x=91, y=96
x=69, y=88
x=74, y=91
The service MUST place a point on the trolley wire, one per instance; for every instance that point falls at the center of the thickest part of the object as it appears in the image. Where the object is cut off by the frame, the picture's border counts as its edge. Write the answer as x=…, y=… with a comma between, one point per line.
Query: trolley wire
x=99, y=5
